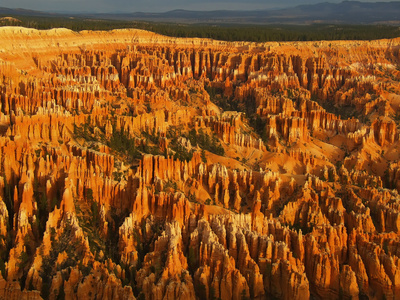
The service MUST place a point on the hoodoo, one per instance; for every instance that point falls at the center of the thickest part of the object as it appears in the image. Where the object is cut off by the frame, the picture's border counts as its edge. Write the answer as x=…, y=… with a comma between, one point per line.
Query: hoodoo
x=140, y=166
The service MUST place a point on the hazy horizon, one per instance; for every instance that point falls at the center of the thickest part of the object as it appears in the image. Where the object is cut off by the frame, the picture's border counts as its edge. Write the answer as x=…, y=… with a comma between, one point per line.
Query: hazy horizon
x=127, y=6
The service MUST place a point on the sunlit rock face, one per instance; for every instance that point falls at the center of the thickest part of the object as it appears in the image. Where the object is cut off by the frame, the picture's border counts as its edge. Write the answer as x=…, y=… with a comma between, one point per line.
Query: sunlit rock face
x=134, y=165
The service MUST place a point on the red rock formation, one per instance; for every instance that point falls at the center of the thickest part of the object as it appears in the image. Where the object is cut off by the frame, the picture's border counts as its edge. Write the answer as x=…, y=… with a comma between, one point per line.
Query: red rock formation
x=106, y=193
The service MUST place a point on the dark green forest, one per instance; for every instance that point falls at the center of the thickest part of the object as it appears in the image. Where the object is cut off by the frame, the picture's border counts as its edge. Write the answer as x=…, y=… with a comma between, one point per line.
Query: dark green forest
x=227, y=32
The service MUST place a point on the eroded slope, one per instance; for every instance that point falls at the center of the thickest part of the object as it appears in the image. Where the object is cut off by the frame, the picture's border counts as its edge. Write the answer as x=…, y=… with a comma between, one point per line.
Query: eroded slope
x=136, y=165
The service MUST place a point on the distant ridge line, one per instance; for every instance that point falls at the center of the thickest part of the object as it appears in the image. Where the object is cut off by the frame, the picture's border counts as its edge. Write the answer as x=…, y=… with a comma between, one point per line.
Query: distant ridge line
x=346, y=12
